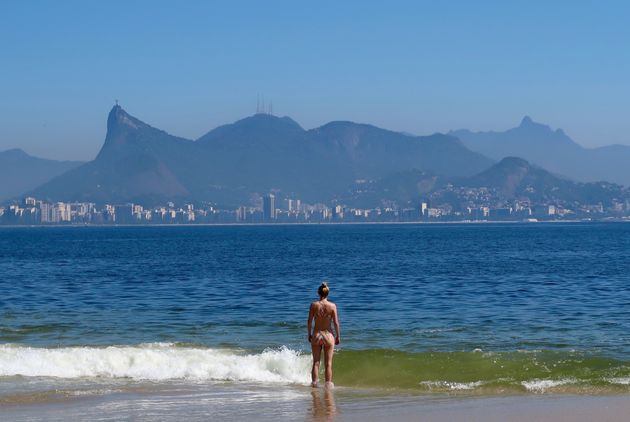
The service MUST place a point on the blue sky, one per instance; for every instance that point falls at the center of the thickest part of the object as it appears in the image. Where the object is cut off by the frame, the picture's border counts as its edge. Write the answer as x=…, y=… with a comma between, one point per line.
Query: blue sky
x=419, y=67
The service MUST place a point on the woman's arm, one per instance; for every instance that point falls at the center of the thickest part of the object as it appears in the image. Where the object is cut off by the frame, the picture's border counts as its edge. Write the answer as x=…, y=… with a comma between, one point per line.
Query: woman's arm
x=308, y=324
x=337, y=328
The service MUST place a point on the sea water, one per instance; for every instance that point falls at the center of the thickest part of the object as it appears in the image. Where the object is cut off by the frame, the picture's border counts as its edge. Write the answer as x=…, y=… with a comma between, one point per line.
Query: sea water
x=467, y=308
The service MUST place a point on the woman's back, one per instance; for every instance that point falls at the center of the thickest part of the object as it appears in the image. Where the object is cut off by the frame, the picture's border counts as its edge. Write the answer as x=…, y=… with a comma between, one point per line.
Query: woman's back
x=323, y=314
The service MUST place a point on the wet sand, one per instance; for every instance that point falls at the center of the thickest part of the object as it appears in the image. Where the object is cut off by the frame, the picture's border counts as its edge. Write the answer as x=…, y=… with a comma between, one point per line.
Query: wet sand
x=500, y=409
x=230, y=402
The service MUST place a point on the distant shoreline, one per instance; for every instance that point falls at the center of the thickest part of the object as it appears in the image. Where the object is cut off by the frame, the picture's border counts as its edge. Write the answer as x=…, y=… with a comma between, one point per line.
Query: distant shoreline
x=346, y=223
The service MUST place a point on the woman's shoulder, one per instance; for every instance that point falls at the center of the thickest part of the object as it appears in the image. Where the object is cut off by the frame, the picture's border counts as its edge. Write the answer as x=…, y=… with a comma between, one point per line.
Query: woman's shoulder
x=327, y=304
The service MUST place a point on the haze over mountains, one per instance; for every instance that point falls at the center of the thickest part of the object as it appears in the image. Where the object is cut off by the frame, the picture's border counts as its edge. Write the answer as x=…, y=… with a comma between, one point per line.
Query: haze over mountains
x=553, y=150
x=139, y=163
x=20, y=172
x=234, y=163
x=510, y=179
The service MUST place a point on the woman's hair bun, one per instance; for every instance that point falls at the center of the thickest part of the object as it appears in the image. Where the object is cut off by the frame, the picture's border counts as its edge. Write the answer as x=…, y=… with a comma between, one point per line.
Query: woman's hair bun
x=323, y=289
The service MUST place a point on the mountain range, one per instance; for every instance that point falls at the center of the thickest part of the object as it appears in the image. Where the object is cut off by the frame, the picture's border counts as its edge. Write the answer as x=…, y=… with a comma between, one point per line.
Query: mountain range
x=343, y=161
x=510, y=179
x=20, y=172
x=552, y=150
x=255, y=155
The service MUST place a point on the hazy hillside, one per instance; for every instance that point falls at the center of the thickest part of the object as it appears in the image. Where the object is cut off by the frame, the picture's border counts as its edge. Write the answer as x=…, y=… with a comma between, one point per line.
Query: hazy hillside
x=512, y=178
x=20, y=172
x=251, y=156
x=553, y=150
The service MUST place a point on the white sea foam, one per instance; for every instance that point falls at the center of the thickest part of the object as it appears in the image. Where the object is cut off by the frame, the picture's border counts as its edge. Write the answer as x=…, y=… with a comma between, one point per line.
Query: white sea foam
x=446, y=385
x=155, y=361
x=620, y=381
x=540, y=386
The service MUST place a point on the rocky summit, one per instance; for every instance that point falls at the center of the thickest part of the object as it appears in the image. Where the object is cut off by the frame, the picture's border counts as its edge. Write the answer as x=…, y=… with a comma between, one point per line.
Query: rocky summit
x=139, y=163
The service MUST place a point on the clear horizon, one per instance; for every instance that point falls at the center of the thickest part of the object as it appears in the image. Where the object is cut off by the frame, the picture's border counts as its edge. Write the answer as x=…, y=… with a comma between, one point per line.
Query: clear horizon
x=413, y=67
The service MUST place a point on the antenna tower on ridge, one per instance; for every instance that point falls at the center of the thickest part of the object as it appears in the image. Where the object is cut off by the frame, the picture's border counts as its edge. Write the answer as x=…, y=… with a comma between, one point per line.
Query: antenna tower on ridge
x=261, y=106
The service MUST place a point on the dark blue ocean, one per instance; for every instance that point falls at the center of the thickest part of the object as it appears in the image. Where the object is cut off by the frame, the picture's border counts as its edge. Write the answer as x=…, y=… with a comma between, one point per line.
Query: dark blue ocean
x=418, y=290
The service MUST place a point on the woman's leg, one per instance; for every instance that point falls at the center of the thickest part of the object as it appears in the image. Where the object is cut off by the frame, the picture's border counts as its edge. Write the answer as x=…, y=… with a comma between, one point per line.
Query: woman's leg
x=329, y=349
x=317, y=352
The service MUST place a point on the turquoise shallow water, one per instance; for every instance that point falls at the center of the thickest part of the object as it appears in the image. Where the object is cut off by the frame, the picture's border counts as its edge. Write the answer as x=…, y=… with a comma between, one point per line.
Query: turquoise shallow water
x=548, y=300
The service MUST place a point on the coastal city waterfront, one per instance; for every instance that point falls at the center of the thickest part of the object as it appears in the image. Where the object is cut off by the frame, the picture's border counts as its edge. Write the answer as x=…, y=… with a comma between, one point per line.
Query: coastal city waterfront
x=331, y=211
x=32, y=211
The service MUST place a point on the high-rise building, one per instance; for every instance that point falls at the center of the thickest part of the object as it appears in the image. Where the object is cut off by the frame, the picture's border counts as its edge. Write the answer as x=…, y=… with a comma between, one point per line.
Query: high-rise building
x=241, y=214
x=44, y=212
x=55, y=214
x=544, y=210
x=423, y=208
x=124, y=214
x=337, y=212
x=294, y=205
x=60, y=212
x=269, y=207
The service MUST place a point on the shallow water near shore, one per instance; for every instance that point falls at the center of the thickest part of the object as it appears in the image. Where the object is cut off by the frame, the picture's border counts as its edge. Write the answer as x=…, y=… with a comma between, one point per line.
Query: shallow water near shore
x=428, y=312
x=235, y=402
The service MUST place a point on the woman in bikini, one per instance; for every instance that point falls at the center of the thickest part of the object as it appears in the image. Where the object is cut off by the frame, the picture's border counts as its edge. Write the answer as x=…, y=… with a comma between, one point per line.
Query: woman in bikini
x=321, y=337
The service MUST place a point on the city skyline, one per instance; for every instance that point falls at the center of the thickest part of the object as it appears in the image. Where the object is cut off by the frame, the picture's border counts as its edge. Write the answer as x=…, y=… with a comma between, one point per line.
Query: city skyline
x=485, y=207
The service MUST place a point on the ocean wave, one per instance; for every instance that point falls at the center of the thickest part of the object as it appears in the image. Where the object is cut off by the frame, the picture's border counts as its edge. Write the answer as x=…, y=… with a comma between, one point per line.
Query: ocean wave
x=454, y=386
x=472, y=372
x=487, y=372
x=541, y=386
x=156, y=362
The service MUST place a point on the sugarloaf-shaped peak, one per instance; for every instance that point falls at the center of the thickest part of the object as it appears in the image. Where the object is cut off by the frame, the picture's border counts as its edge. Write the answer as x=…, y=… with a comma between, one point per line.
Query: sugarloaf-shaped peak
x=508, y=176
x=505, y=169
x=118, y=118
x=528, y=124
x=124, y=130
x=527, y=121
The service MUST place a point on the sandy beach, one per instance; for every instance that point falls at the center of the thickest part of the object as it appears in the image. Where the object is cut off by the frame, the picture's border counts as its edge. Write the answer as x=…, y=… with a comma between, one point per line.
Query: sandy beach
x=229, y=402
